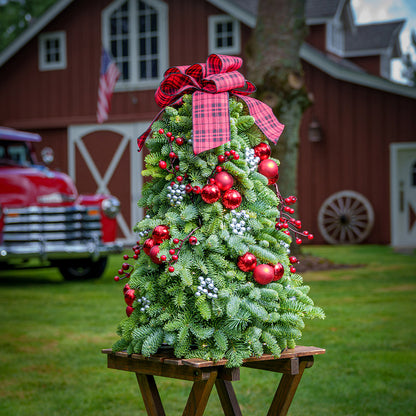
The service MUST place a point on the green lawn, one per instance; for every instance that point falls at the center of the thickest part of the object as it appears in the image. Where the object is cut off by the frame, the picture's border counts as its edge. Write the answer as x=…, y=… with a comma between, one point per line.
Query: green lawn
x=52, y=333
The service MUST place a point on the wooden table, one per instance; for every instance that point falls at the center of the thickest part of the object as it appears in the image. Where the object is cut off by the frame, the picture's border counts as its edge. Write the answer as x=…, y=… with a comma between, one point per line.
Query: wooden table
x=205, y=374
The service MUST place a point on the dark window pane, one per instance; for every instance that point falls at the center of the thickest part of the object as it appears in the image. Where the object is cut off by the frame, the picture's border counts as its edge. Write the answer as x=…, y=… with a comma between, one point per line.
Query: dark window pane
x=229, y=41
x=414, y=175
x=124, y=7
x=153, y=22
x=142, y=24
x=48, y=44
x=125, y=70
x=57, y=57
x=219, y=43
x=143, y=69
x=113, y=26
x=229, y=26
x=153, y=42
x=142, y=6
x=125, y=47
x=142, y=46
x=124, y=25
x=114, y=48
x=154, y=68
x=219, y=28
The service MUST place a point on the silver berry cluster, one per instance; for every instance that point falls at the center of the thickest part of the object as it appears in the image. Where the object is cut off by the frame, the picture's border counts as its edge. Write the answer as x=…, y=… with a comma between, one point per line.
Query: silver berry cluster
x=145, y=232
x=252, y=159
x=144, y=302
x=207, y=287
x=238, y=223
x=176, y=193
x=286, y=246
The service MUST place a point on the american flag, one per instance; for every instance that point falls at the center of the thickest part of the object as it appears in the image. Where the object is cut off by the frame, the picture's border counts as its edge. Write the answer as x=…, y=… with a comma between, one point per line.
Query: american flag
x=109, y=74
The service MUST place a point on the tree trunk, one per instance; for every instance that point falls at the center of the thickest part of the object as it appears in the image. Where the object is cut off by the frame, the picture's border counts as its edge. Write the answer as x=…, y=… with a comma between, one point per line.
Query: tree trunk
x=274, y=67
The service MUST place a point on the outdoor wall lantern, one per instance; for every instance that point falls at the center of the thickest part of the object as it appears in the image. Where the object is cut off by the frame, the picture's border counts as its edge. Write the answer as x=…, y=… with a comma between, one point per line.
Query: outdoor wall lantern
x=315, y=131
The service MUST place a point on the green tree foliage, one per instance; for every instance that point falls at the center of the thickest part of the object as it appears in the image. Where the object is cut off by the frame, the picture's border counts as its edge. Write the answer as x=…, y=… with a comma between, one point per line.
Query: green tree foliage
x=17, y=15
x=205, y=306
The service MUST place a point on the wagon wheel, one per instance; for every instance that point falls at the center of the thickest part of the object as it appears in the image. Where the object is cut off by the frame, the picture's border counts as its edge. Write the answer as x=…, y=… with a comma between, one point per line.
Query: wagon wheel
x=345, y=217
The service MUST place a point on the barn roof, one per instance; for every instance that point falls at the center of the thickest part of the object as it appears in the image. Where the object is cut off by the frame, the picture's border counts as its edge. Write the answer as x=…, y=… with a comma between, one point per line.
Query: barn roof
x=374, y=37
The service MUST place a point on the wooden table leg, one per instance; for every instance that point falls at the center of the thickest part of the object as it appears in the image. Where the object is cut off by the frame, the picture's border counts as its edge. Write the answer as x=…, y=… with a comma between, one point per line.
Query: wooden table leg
x=150, y=395
x=199, y=395
x=227, y=397
x=287, y=389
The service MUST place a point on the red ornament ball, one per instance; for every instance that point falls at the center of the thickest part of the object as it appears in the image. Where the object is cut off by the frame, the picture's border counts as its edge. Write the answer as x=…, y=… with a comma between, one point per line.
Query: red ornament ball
x=262, y=151
x=129, y=297
x=154, y=251
x=269, y=169
x=224, y=181
x=160, y=234
x=129, y=310
x=163, y=164
x=247, y=262
x=263, y=274
x=231, y=199
x=193, y=240
x=171, y=269
x=211, y=193
x=278, y=271
x=148, y=244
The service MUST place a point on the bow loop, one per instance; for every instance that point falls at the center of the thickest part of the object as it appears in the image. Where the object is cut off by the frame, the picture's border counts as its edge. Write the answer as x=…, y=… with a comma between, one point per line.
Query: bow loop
x=211, y=83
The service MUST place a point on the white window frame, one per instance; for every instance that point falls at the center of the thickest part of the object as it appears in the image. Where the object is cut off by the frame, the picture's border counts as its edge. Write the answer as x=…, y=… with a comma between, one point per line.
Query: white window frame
x=213, y=20
x=163, y=43
x=44, y=65
x=335, y=38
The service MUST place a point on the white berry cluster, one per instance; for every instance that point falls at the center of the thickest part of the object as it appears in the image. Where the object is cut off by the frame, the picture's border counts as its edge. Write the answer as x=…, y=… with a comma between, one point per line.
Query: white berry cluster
x=145, y=232
x=285, y=245
x=144, y=302
x=207, y=287
x=239, y=221
x=176, y=193
x=251, y=159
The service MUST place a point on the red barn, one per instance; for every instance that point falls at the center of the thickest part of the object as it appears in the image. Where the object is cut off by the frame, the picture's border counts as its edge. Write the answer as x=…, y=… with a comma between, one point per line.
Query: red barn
x=358, y=138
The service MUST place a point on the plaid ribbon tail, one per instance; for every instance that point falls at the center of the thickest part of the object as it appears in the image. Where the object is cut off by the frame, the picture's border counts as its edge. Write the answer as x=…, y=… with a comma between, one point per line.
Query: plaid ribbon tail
x=143, y=137
x=211, y=120
x=264, y=118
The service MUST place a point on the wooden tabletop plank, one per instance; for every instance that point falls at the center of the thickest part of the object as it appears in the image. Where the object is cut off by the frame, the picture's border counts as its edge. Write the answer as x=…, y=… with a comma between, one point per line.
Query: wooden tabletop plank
x=167, y=357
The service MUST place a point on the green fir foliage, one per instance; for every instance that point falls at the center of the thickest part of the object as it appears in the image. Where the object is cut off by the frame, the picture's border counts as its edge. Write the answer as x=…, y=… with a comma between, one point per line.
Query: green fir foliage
x=205, y=306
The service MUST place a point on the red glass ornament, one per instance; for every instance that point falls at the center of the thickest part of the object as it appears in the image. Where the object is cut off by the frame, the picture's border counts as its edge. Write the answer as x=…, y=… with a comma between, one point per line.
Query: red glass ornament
x=179, y=178
x=293, y=259
x=162, y=164
x=247, y=262
x=196, y=189
x=148, y=244
x=161, y=131
x=129, y=297
x=224, y=180
x=278, y=271
x=263, y=274
x=231, y=199
x=210, y=193
x=179, y=141
x=169, y=134
x=160, y=234
x=188, y=188
x=221, y=158
x=154, y=251
x=262, y=151
x=292, y=269
x=269, y=169
x=129, y=310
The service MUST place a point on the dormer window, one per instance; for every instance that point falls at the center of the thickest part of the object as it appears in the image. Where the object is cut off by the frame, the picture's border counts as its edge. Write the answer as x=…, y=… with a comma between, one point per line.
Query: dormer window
x=136, y=33
x=52, y=51
x=335, y=38
x=224, y=35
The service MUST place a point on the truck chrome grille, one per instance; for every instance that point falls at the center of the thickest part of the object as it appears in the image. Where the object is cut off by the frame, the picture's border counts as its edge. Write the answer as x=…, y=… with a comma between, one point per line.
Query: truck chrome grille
x=74, y=224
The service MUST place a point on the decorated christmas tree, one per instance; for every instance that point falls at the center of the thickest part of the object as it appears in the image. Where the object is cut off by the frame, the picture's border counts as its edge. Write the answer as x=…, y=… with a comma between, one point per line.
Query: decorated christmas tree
x=211, y=275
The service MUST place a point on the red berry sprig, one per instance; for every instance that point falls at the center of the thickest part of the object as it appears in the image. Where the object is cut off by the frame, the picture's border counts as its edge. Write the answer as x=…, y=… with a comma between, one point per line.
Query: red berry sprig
x=287, y=223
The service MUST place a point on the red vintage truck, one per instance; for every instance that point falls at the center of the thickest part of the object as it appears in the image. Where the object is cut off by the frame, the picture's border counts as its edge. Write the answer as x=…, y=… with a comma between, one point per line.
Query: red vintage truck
x=43, y=219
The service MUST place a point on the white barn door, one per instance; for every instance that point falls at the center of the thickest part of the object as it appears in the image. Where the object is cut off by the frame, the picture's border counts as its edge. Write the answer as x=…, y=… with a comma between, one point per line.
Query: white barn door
x=106, y=179
x=403, y=194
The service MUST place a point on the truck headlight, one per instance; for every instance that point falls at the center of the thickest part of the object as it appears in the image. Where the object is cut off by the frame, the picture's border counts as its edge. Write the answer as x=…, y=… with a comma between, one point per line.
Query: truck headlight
x=111, y=206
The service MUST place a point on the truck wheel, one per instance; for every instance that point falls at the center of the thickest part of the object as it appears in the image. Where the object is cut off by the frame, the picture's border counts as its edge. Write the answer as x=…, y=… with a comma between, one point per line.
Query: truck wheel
x=82, y=269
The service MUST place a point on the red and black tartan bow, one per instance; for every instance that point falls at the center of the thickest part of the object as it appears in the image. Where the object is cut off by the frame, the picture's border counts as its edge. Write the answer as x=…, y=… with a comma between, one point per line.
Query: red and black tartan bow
x=210, y=84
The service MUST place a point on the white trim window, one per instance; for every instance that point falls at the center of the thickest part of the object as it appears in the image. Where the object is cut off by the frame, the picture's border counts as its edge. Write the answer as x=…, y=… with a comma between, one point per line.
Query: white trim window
x=136, y=34
x=335, y=38
x=52, y=51
x=224, y=35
